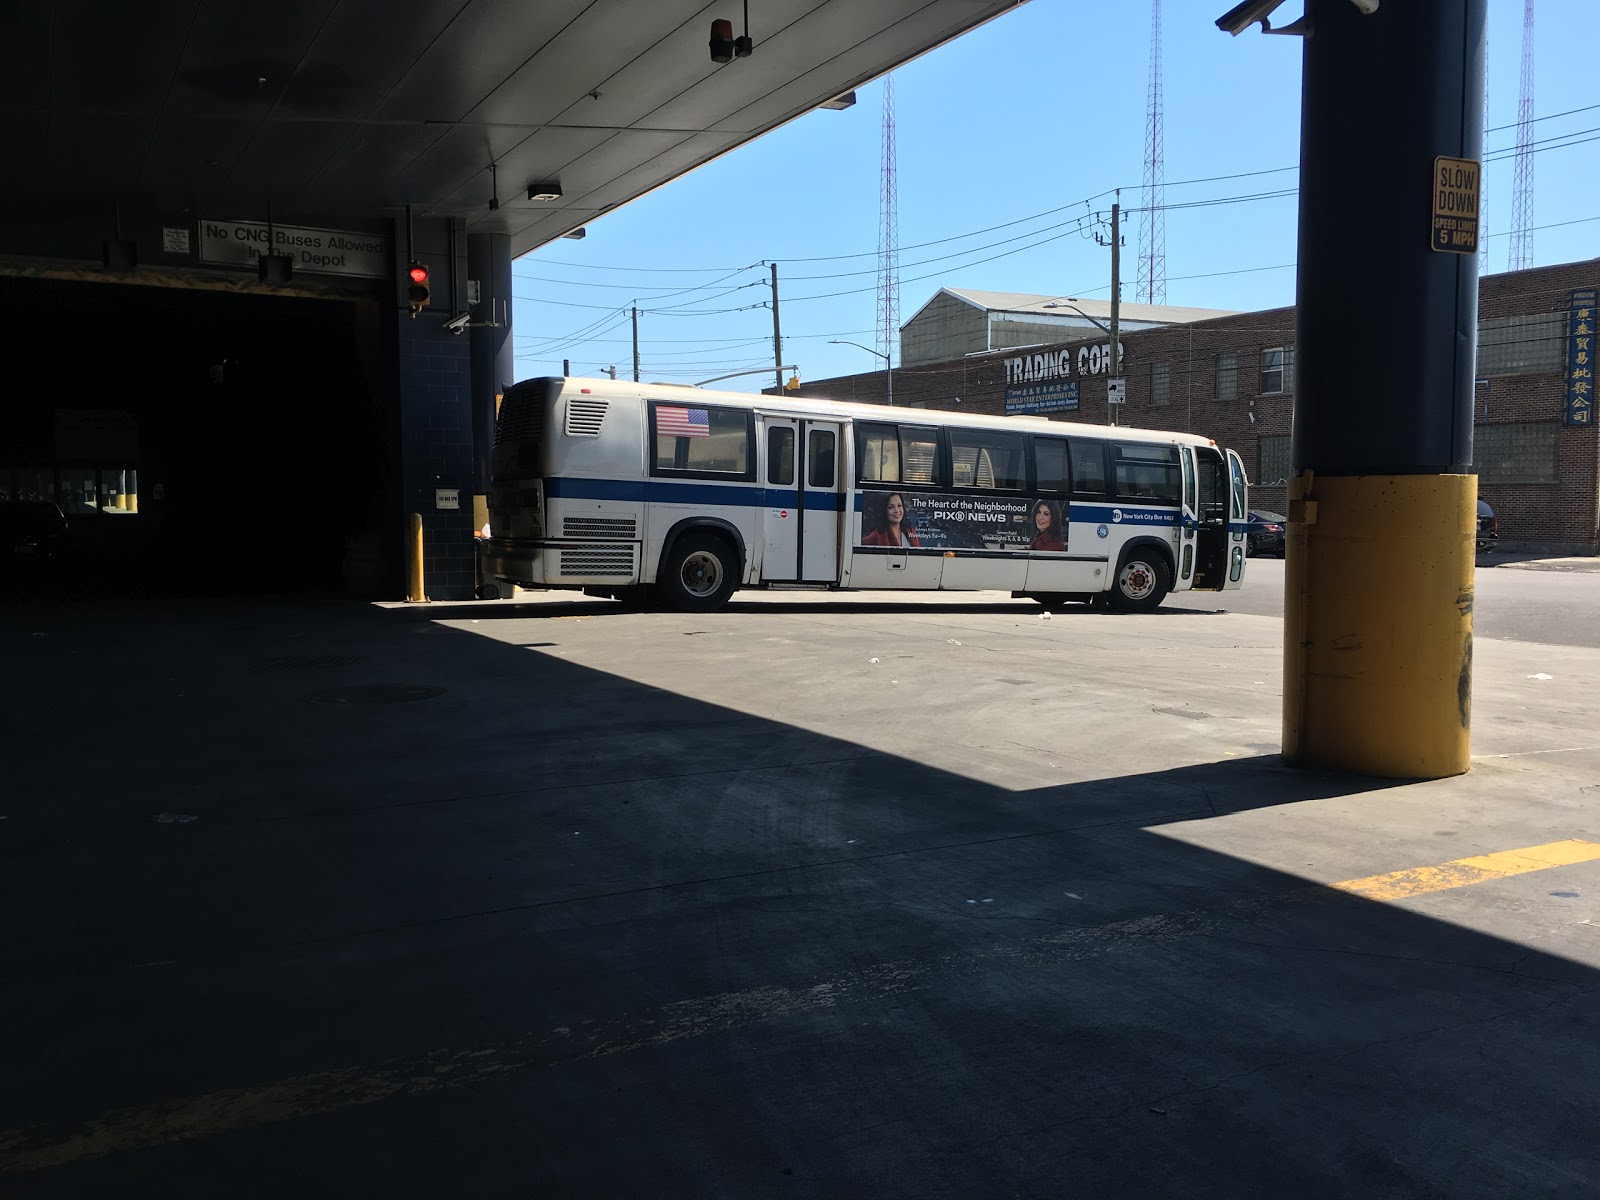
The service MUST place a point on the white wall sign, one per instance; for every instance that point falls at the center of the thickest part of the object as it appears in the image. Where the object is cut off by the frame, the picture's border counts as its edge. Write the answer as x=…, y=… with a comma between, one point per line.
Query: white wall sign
x=1057, y=364
x=175, y=241
x=1117, y=391
x=447, y=498
x=318, y=251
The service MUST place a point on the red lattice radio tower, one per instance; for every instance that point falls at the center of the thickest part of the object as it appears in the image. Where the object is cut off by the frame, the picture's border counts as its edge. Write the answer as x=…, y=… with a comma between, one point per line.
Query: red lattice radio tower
x=1521, y=256
x=1152, y=284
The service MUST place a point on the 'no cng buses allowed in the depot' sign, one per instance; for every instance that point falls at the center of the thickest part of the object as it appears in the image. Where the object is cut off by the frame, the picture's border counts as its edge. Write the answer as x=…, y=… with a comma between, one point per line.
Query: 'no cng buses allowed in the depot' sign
x=320, y=251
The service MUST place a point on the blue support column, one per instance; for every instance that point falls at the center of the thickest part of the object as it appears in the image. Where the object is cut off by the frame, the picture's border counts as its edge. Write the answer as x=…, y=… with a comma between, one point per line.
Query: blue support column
x=434, y=378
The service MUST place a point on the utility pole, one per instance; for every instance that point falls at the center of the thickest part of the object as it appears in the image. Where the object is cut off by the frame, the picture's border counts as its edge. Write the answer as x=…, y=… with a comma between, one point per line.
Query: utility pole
x=777, y=337
x=636, y=343
x=1116, y=305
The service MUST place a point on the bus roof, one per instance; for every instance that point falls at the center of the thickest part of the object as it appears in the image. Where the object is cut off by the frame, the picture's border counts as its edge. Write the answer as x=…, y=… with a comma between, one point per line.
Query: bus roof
x=809, y=405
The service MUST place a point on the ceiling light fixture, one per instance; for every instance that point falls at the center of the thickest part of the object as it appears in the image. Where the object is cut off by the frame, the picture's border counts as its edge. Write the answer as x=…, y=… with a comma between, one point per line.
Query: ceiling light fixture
x=548, y=189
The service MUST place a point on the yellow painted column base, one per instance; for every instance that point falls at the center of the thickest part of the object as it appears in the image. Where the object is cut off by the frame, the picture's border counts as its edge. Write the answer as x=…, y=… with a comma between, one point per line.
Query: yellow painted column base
x=1377, y=648
x=416, y=591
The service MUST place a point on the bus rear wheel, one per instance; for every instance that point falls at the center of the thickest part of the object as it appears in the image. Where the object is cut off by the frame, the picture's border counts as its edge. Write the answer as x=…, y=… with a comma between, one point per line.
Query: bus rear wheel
x=698, y=575
x=1142, y=583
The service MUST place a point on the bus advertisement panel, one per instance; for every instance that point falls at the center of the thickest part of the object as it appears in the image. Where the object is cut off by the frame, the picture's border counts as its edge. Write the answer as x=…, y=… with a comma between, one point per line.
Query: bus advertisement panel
x=950, y=520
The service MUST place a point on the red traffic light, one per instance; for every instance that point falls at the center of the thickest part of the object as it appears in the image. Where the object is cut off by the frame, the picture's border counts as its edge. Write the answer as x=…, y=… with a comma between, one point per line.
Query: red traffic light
x=417, y=290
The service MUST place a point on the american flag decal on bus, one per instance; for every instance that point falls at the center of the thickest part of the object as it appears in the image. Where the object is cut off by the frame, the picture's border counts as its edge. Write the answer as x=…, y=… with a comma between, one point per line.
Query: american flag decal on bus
x=672, y=421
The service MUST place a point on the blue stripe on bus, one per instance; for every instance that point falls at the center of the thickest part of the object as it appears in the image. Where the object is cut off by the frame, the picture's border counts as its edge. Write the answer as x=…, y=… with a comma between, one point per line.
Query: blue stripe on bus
x=1116, y=515
x=810, y=501
x=594, y=489
x=657, y=491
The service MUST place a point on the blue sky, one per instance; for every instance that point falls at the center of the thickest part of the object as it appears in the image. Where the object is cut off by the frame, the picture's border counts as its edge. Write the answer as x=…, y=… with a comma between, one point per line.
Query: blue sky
x=1017, y=124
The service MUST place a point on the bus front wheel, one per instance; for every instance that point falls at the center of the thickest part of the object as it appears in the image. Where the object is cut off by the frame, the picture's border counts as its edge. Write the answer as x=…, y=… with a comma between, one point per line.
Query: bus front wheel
x=1142, y=582
x=699, y=574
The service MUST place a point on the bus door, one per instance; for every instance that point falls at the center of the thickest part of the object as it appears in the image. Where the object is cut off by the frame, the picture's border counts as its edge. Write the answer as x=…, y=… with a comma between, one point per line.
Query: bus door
x=803, y=501
x=821, y=502
x=1188, y=519
x=781, y=509
x=1212, y=506
x=1238, y=517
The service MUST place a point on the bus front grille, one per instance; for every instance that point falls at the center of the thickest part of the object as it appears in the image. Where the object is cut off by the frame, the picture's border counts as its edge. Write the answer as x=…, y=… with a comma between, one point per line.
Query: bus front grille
x=587, y=561
x=600, y=527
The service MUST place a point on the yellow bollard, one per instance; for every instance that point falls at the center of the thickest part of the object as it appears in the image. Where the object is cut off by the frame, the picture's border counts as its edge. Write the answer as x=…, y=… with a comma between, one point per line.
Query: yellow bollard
x=415, y=592
x=1378, y=624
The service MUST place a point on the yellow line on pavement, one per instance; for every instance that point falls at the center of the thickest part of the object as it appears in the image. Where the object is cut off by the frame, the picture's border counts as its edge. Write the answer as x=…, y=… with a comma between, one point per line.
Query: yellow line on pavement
x=1418, y=881
x=209, y=1115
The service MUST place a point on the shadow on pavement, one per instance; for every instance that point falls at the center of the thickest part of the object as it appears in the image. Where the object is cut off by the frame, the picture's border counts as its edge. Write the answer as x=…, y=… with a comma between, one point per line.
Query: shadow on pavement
x=553, y=931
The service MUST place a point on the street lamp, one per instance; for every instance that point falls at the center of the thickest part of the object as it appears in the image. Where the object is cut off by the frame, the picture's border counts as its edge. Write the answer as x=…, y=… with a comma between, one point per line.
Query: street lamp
x=791, y=386
x=888, y=363
x=1114, y=367
x=1061, y=304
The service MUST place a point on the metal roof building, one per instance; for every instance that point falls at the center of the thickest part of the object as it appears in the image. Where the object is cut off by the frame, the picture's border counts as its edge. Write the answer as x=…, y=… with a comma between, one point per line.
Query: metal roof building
x=961, y=321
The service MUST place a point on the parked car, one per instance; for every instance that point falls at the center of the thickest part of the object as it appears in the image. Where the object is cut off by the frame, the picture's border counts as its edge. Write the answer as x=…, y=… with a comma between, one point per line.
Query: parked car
x=1264, y=533
x=1488, y=526
x=31, y=530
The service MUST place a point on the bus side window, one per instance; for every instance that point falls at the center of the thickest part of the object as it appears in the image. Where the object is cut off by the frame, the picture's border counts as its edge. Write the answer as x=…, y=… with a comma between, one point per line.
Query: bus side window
x=780, y=456
x=1050, y=464
x=891, y=454
x=980, y=458
x=1148, y=472
x=1088, y=467
x=879, y=456
x=919, y=453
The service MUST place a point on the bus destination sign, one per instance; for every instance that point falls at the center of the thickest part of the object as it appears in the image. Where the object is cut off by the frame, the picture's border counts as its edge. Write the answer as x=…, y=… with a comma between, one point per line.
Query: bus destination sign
x=1456, y=189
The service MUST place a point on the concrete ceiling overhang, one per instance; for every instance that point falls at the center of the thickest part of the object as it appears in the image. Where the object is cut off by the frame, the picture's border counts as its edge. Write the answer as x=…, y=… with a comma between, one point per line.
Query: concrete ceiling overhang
x=363, y=107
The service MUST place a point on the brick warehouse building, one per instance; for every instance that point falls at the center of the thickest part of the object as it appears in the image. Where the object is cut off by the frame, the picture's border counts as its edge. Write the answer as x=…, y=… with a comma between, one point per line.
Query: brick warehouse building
x=1232, y=379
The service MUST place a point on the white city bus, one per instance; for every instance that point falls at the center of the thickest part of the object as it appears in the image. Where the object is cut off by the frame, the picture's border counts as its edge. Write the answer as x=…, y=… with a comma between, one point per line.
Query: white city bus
x=615, y=488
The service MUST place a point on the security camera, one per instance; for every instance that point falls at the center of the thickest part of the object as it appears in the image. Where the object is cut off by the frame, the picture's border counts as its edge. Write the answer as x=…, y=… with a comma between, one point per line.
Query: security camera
x=1241, y=16
x=457, y=324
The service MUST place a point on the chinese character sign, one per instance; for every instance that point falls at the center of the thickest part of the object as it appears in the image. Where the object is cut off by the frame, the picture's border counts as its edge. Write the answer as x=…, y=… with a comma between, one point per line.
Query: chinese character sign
x=1579, y=408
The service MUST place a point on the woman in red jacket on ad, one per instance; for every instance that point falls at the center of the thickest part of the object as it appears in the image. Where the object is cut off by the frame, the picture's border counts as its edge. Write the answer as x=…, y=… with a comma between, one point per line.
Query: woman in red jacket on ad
x=893, y=525
x=1046, y=527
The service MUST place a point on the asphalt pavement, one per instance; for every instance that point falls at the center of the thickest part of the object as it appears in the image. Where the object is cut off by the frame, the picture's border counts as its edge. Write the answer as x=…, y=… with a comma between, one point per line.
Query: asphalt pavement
x=882, y=896
x=1553, y=601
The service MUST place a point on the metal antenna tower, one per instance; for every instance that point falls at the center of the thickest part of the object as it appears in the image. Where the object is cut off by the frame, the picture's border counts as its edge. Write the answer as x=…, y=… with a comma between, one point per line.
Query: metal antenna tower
x=1483, y=192
x=1521, y=256
x=1152, y=284
x=888, y=237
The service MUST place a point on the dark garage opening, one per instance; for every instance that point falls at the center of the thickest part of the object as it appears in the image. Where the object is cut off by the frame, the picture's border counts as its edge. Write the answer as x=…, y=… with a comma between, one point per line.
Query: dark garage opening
x=197, y=441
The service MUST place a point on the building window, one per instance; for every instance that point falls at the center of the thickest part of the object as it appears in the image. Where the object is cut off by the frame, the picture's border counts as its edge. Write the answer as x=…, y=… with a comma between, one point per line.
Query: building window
x=1272, y=462
x=1227, y=375
x=1160, y=384
x=1522, y=345
x=1277, y=370
x=1522, y=453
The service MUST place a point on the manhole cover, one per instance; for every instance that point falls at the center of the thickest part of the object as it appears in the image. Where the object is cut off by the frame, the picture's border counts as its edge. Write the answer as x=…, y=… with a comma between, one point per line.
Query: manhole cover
x=379, y=693
x=306, y=662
